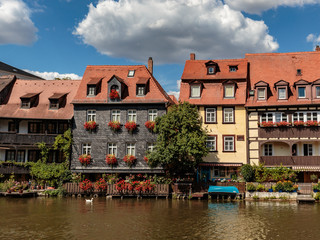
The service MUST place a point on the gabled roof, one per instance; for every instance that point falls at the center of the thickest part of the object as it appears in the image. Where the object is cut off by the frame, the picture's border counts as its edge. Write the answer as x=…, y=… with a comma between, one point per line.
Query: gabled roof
x=5, y=81
x=45, y=89
x=261, y=84
x=156, y=93
x=6, y=69
x=301, y=82
x=281, y=83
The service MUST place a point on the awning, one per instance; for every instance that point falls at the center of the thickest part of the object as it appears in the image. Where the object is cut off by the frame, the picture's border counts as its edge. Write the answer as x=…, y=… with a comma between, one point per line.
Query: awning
x=307, y=168
x=206, y=164
x=29, y=95
x=57, y=95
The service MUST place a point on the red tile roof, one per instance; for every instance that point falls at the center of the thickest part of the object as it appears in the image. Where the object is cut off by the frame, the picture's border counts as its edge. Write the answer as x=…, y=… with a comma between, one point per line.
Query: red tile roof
x=212, y=85
x=46, y=89
x=156, y=93
x=276, y=67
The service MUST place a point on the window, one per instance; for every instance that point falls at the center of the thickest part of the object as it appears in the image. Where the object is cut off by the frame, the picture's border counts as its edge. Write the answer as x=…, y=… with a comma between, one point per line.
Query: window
x=131, y=73
x=305, y=116
x=229, y=91
x=86, y=148
x=20, y=156
x=299, y=72
x=112, y=148
x=307, y=149
x=228, y=144
x=152, y=114
x=150, y=147
x=10, y=155
x=228, y=116
x=25, y=103
x=141, y=90
x=54, y=103
x=301, y=92
x=317, y=91
x=131, y=149
x=195, y=91
x=282, y=94
x=11, y=127
x=52, y=128
x=115, y=115
x=267, y=149
x=233, y=68
x=212, y=143
x=210, y=70
x=132, y=115
x=91, y=115
x=36, y=127
x=33, y=155
x=62, y=127
x=273, y=117
x=211, y=115
x=261, y=93
x=91, y=90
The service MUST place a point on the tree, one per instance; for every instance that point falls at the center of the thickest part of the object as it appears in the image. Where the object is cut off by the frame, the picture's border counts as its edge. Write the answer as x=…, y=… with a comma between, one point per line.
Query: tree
x=247, y=172
x=181, y=141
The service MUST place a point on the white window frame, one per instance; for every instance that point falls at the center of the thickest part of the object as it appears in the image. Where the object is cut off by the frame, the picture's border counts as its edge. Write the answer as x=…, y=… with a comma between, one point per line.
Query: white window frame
x=228, y=143
x=284, y=89
x=150, y=147
x=225, y=90
x=132, y=115
x=115, y=115
x=112, y=149
x=309, y=147
x=306, y=116
x=195, y=87
x=152, y=114
x=212, y=143
x=266, y=149
x=273, y=117
x=210, y=70
x=264, y=93
x=91, y=90
x=91, y=115
x=304, y=92
x=211, y=115
x=131, y=73
x=131, y=149
x=317, y=88
x=228, y=116
x=86, y=148
x=141, y=90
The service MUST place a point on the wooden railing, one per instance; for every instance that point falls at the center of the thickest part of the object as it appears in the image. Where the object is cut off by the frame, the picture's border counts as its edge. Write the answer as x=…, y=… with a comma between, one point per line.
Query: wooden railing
x=290, y=160
x=289, y=132
x=8, y=169
x=27, y=139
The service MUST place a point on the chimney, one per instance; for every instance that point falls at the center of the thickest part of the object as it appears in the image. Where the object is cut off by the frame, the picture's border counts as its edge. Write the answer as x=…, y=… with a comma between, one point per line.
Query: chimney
x=317, y=48
x=150, y=65
x=192, y=56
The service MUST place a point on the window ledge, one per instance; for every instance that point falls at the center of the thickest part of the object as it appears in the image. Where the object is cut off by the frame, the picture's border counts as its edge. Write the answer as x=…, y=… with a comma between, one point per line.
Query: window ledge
x=229, y=151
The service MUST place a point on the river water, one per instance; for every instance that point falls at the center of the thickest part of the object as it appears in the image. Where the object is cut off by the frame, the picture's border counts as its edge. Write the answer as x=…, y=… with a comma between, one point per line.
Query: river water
x=73, y=218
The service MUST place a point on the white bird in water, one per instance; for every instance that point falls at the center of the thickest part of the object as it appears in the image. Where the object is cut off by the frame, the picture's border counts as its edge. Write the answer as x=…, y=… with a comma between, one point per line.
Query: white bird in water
x=89, y=200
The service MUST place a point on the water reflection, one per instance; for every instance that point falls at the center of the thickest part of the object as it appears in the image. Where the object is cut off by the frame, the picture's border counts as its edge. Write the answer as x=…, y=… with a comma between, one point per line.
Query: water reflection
x=72, y=218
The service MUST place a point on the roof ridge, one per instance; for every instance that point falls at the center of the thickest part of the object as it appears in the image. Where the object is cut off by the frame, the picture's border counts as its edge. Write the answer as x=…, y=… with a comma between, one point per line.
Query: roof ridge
x=282, y=53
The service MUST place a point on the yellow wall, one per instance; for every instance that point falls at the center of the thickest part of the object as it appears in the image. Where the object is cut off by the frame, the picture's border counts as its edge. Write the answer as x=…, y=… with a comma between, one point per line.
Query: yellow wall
x=219, y=129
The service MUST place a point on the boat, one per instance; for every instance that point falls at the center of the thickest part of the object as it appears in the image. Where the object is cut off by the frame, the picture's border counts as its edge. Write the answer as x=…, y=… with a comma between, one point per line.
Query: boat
x=223, y=190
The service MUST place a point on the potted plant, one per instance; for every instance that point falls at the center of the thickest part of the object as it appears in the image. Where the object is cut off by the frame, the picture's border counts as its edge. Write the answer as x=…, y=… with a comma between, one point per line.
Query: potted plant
x=279, y=187
x=150, y=125
x=111, y=159
x=85, y=159
x=90, y=125
x=114, y=94
x=129, y=160
x=114, y=125
x=260, y=188
x=130, y=126
x=86, y=185
x=100, y=185
x=251, y=187
x=314, y=177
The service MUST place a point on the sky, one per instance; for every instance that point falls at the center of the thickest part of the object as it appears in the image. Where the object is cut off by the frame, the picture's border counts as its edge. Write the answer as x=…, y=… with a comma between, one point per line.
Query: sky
x=59, y=38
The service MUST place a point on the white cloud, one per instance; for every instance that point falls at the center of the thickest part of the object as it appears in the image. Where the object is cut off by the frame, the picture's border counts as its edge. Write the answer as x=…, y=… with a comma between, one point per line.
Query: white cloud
x=314, y=39
x=176, y=93
x=16, y=26
x=168, y=30
x=53, y=75
x=258, y=6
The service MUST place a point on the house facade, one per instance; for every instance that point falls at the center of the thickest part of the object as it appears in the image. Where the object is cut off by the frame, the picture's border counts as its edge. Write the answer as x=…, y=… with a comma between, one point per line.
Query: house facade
x=120, y=100
x=218, y=88
x=283, y=108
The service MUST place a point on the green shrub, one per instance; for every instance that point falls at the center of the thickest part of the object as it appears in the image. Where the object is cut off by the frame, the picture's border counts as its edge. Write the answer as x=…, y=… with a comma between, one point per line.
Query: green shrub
x=260, y=188
x=247, y=172
x=279, y=187
x=288, y=186
x=255, y=197
x=317, y=196
x=251, y=187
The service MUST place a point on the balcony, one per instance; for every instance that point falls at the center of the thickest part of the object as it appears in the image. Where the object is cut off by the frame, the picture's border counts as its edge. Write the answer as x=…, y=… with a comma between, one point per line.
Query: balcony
x=9, y=168
x=290, y=160
x=289, y=132
x=25, y=139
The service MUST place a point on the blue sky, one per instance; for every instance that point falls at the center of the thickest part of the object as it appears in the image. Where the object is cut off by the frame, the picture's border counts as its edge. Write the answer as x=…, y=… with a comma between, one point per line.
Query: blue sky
x=53, y=37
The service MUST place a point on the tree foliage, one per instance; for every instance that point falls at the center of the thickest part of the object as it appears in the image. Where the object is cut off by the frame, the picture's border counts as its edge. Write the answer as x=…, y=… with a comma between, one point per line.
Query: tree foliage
x=181, y=141
x=63, y=143
x=247, y=172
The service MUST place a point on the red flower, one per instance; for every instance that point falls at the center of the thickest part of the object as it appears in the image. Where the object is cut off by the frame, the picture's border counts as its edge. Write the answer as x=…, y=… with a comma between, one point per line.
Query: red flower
x=146, y=159
x=111, y=159
x=90, y=125
x=266, y=124
x=85, y=159
x=86, y=185
x=114, y=94
x=129, y=160
x=283, y=124
x=298, y=123
x=101, y=184
x=130, y=126
x=312, y=123
x=150, y=125
x=114, y=125
x=120, y=185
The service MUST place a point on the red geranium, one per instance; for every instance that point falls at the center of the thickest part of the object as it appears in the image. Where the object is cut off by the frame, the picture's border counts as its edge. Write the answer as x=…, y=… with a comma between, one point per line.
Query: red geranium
x=114, y=94
x=86, y=185
x=283, y=124
x=111, y=159
x=298, y=123
x=131, y=126
x=150, y=125
x=266, y=124
x=114, y=125
x=90, y=125
x=129, y=160
x=101, y=184
x=120, y=185
x=85, y=159
x=146, y=159
x=312, y=123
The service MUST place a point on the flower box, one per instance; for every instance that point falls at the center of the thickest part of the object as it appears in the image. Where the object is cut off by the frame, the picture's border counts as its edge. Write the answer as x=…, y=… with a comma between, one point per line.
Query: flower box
x=90, y=125
x=85, y=159
x=86, y=185
x=312, y=123
x=130, y=126
x=111, y=159
x=130, y=160
x=114, y=125
x=283, y=124
x=266, y=124
x=298, y=123
x=150, y=125
x=114, y=94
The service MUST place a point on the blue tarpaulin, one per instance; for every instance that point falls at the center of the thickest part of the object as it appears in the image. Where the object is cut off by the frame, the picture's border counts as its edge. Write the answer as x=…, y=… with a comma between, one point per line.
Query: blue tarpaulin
x=223, y=189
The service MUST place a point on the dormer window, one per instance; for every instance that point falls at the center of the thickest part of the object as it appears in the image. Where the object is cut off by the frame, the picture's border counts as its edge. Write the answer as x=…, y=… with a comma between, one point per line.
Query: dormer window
x=57, y=100
x=25, y=103
x=262, y=90
x=301, y=92
x=212, y=67
x=141, y=90
x=282, y=93
x=91, y=90
x=93, y=87
x=211, y=70
x=29, y=100
x=282, y=89
x=114, y=92
x=261, y=93
x=142, y=86
x=229, y=91
x=131, y=73
x=195, y=90
x=233, y=68
x=54, y=103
